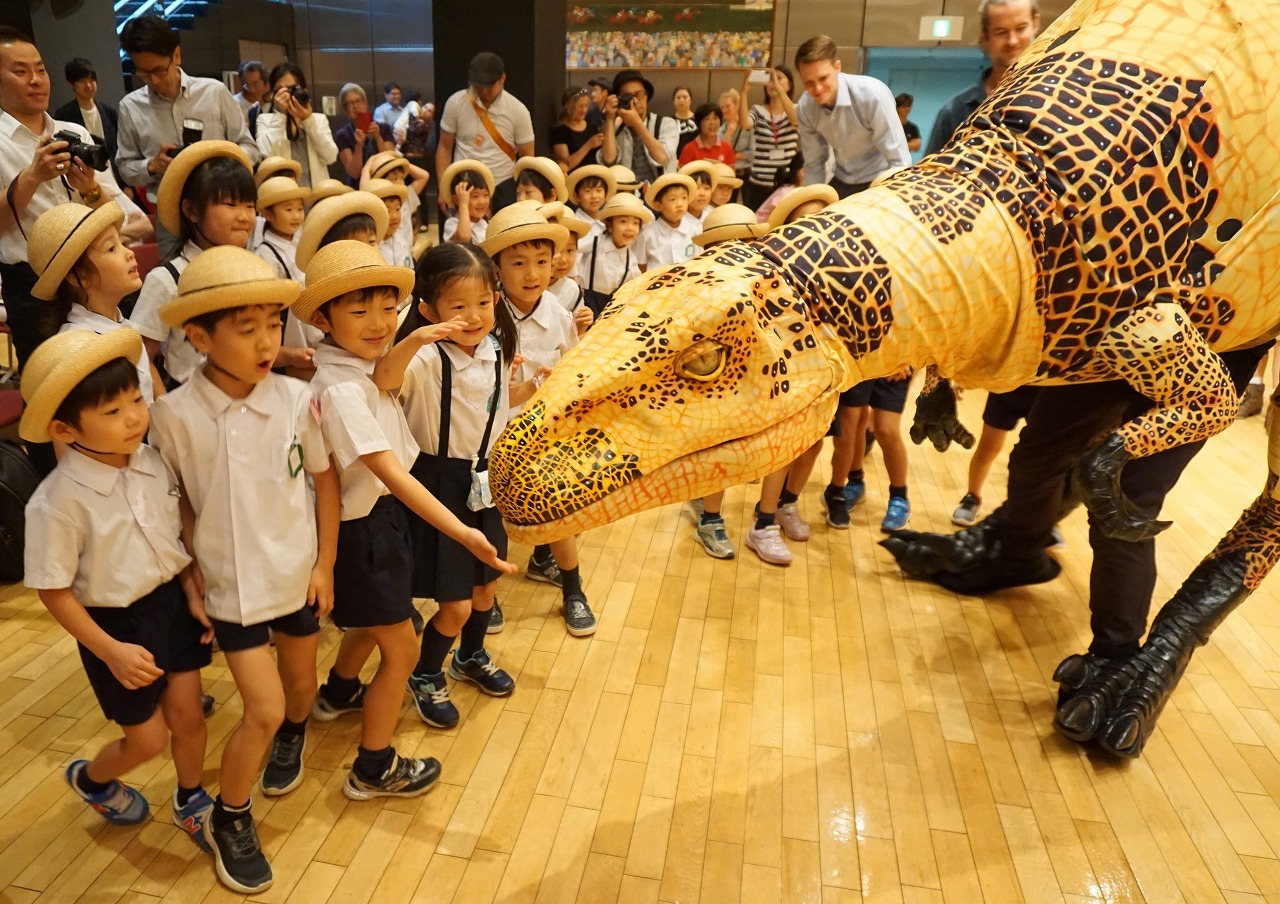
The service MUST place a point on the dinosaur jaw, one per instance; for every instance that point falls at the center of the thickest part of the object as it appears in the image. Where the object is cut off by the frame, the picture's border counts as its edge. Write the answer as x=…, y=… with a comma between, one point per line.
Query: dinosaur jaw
x=694, y=475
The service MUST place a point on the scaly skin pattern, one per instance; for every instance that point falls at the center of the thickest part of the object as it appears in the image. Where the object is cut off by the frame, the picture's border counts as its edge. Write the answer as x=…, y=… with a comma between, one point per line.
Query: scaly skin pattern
x=1109, y=212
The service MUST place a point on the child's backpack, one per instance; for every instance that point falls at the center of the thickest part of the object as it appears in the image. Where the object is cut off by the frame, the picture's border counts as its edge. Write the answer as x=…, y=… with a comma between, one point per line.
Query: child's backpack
x=18, y=481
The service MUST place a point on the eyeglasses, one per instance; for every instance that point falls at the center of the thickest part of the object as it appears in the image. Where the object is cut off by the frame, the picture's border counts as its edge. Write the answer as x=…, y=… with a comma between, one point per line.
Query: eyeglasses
x=157, y=72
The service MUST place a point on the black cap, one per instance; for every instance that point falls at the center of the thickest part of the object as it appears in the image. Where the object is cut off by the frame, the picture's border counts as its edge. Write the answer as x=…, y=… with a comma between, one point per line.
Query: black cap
x=600, y=82
x=485, y=69
x=631, y=75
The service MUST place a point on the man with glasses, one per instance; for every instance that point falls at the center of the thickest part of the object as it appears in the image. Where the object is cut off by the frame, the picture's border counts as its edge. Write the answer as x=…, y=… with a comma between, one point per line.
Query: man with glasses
x=171, y=110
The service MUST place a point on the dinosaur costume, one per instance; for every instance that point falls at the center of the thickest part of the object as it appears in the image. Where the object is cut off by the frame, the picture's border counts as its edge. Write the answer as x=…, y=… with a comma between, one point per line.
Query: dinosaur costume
x=1105, y=214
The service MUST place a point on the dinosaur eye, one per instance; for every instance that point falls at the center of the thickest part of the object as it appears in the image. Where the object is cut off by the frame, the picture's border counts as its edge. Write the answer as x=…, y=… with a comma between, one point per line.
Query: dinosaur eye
x=702, y=361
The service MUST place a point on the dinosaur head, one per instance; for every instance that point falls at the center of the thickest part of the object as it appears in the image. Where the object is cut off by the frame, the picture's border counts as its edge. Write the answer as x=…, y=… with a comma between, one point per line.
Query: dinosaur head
x=697, y=377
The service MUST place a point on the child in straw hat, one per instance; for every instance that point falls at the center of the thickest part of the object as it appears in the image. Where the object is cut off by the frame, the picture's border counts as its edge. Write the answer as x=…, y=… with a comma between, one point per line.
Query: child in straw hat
x=470, y=188
x=540, y=179
x=103, y=551
x=703, y=174
x=281, y=205
x=610, y=260
x=564, y=266
x=396, y=169
x=668, y=239
x=242, y=441
x=352, y=295
x=590, y=187
x=395, y=246
x=86, y=270
x=522, y=244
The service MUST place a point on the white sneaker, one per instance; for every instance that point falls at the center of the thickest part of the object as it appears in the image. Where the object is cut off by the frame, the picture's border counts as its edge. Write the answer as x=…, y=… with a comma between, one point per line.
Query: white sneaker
x=769, y=545
x=792, y=523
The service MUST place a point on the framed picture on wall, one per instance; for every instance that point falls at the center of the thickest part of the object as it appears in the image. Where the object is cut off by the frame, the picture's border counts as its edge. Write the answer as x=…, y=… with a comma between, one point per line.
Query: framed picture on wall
x=670, y=35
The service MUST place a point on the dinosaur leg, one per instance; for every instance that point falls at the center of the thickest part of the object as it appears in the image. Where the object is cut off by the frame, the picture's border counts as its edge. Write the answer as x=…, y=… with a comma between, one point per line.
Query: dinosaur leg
x=935, y=417
x=1217, y=586
x=1158, y=351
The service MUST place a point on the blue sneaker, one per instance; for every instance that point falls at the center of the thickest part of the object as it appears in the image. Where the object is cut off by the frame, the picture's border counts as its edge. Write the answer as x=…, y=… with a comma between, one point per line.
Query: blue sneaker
x=484, y=673
x=431, y=699
x=854, y=492
x=119, y=805
x=896, y=515
x=191, y=818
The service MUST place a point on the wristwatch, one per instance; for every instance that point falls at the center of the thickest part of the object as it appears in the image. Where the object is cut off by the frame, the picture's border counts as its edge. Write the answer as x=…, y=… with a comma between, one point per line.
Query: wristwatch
x=92, y=197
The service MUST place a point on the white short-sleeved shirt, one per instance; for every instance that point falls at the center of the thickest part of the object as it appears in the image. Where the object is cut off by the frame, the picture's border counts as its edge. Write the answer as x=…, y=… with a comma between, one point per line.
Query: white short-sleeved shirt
x=405, y=231
x=81, y=318
x=472, y=140
x=479, y=229
x=241, y=462
x=661, y=244
x=474, y=392
x=567, y=292
x=544, y=335
x=110, y=534
x=358, y=419
x=181, y=359
x=611, y=265
x=395, y=252
x=597, y=226
x=281, y=253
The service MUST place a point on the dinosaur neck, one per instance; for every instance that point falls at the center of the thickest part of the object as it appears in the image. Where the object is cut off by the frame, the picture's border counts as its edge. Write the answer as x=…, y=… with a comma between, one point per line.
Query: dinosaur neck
x=897, y=295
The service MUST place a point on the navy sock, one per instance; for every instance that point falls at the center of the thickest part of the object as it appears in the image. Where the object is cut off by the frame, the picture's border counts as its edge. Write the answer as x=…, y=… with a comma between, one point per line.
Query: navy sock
x=856, y=475
x=185, y=795
x=786, y=497
x=471, y=637
x=338, y=689
x=371, y=765
x=572, y=581
x=88, y=785
x=763, y=520
x=292, y=729
x=897, y=492
x=434, y=647
x=541, y=552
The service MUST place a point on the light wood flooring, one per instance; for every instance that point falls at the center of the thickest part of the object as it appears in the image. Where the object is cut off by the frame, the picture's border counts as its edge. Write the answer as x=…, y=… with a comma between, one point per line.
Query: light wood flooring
x=734, y=732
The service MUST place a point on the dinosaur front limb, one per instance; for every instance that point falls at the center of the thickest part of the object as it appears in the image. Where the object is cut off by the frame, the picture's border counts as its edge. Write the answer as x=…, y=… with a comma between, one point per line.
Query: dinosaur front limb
x=936, y=418
x=1157, y=351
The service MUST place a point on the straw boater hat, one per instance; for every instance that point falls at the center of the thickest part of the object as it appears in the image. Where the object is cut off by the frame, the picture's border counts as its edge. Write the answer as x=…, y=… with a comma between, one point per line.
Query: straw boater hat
x=593, y=169
x=549, y=170
x=169, y=195
x=624, y=179
x=461, y=166
x=328, y=188
x=518, y=223
x=386, y=162
x=224, y=277
x=343, y=267
x=730, y=221
x=60, y=364
x=666, y=180
x=702, y=166
x=724, y=175
x=555, y=212
x=278, y=189
x=60, y=236
x=381, y=188
x=326, y=214
x=797, y=198
x=624, y=204
x=277, y=166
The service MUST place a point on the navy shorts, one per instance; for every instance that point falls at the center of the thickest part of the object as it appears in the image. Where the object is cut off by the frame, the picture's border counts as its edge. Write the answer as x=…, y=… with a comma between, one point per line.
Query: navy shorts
x=880, y=394
x=1004, y=409
x=233, y=638
x=161, y=624
x=372, y=577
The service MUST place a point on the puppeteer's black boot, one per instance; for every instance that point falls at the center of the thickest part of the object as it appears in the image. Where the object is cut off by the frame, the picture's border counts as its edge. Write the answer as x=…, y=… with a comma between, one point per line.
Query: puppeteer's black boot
x=1209, y=595
x=1089, y=686
x=922, y=554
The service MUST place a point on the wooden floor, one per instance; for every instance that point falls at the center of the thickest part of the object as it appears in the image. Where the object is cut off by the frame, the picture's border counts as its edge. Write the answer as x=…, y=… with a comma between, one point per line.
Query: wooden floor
x=734, y=732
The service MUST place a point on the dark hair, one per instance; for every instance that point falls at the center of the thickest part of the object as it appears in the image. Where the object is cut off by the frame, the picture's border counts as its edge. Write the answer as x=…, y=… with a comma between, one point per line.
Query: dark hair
x=815, y=50
x=149, y=34
x=349, y=227
x=102, y=385
x=218, y=180
x=791, y=79
x=705, y=110
x=279, y=71
x=702, y=177
x=903, y=100
x=666, y=188
x=414, y=96
x=590, y=182
x=72, y=292
x=442, y=266
x=209, y=320
x=789, y=174
x=10, y=35
x=366, y=293
x=678, y=89
x=252, y=66
x=78, y=68
x=469, y=178
x=386, y=89
x=538, y=181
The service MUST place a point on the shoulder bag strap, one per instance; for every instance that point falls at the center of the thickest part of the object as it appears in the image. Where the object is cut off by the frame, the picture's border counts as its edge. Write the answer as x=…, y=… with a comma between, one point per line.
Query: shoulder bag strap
x=483, y=115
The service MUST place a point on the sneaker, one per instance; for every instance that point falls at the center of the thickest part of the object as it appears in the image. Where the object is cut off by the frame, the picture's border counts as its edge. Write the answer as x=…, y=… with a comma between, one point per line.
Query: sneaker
x=768, y=544
x=837, y=508
x=193, y=816
x=547, y=572
x=1251, y=401
x=284, y=770
x=431, y=700
x=896, y=515
x=326, y=710
x=405, y=777
x=481, y=671
x=715, y=539
x=966, y=513
x=854, y=492
x=237, y=855
x=579, y=620
x=788, y=518
x=497, y=621
x=206, y=704
x=119, y=805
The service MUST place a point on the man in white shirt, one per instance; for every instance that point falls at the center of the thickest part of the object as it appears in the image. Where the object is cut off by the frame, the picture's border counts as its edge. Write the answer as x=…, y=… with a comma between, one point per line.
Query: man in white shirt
x=642, y=141
x=487, y=124
x=388, y=113
x=253, y=85
x=847, y=122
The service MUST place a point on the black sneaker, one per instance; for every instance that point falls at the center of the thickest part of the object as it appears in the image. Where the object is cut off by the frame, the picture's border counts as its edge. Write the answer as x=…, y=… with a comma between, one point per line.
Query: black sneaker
x=481, y=671
x=431, y=700
x=547, y=572
x=284, y=770
x=578, y=617
x=237, y=855
x=206, y=704
x=496, y=620
x=405, y=777
x=837, y=508
x=326, y=709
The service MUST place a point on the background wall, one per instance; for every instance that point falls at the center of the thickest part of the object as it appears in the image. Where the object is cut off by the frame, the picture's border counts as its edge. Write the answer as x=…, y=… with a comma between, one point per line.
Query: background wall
x=63, y=29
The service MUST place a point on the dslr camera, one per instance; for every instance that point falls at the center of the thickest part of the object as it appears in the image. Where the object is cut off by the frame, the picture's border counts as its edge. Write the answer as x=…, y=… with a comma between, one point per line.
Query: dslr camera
x=300, y=94
x=625, y=100
x=94, y=155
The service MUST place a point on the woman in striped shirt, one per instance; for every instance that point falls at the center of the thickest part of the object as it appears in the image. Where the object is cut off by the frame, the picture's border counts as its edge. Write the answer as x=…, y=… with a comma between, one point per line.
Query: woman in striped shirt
x=775, y=137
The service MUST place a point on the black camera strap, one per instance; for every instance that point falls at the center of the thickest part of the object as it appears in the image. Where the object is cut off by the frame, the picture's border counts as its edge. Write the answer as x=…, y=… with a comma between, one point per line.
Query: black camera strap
x=17, y=217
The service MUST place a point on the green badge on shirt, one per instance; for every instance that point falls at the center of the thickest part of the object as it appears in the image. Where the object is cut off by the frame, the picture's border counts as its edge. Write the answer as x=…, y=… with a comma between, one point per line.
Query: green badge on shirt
x=295, y=458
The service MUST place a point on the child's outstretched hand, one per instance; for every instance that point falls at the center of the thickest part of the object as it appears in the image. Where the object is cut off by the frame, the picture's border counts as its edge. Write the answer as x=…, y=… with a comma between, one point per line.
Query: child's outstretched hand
x=480, y=547
x=517, y=361
x=133, y=666
x=583, y=318
x=320, y=590
x=434, y=332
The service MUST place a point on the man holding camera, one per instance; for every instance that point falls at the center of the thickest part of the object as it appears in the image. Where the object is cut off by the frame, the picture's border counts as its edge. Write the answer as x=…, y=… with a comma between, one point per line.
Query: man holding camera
x=643, y=141
x=170, y=111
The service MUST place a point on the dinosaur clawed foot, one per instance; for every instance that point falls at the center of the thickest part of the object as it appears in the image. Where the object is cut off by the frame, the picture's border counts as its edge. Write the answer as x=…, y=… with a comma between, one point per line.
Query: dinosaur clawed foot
x=969, y=562
x=1098, y=481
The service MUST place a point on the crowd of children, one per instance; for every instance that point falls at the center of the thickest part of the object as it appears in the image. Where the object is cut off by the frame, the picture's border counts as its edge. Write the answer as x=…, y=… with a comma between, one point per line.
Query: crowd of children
x=250, y=503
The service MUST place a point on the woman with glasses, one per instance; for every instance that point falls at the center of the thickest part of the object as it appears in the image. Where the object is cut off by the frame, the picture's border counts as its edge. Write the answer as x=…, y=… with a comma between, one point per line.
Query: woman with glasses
x=573, y=141
x=362, y=137
x=288, y=127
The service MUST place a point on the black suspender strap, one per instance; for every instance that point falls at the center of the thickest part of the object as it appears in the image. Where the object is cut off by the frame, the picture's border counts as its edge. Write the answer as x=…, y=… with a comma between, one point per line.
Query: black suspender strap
x=595, y=258
x=446, y=404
